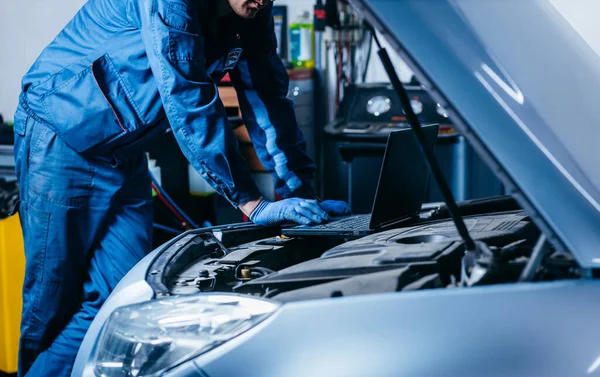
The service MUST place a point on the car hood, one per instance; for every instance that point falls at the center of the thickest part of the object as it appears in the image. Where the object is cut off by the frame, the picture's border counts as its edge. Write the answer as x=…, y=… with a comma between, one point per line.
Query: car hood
x=522, y=86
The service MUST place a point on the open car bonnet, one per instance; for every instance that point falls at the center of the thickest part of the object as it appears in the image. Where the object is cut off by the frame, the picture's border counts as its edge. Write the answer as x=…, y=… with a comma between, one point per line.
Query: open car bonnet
x=522, y=86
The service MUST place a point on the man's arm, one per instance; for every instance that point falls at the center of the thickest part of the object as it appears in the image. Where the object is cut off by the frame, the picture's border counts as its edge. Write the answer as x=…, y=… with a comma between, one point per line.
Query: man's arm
x=172, y=35
x=261, y=82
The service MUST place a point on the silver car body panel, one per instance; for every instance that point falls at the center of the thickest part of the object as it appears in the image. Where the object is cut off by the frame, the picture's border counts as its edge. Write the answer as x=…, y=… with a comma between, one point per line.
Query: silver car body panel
x=535, y=329
x=541, y=329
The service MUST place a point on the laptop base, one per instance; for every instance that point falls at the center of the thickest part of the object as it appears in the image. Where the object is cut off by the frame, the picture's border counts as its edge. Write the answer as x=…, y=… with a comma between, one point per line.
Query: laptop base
x=330, y=228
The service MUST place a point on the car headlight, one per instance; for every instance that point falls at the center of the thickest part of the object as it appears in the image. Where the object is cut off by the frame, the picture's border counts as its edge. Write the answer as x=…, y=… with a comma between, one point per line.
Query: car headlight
x=147, y=339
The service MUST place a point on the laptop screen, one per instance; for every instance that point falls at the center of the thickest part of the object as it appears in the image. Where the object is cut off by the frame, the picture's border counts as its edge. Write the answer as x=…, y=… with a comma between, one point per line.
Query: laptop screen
x=403, y=178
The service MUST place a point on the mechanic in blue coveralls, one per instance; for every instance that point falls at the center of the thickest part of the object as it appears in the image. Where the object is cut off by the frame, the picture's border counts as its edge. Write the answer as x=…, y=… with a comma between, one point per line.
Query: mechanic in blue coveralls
x=114, y=79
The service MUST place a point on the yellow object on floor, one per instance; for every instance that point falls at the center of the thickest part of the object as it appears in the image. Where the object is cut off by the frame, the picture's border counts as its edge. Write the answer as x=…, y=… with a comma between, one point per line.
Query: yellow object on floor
x=12, y=273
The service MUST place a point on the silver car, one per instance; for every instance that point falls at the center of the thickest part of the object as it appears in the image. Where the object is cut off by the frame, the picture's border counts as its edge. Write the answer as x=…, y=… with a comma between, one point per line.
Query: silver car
x=523, y=88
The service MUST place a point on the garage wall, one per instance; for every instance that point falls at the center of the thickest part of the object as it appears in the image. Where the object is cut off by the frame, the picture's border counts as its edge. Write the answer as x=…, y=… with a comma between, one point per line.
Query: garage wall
x=26, y=27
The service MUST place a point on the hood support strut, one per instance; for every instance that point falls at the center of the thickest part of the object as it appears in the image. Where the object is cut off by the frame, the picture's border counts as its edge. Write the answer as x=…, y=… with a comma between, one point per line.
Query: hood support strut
x=427, y=153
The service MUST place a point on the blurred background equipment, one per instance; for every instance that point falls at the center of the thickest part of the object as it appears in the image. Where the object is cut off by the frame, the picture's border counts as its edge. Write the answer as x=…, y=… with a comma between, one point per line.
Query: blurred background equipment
x=302, y=41
x=355, y=141
x=6, y=132
x=7, y=159
x=9, y=195
x=280, y=21
x=349, y=43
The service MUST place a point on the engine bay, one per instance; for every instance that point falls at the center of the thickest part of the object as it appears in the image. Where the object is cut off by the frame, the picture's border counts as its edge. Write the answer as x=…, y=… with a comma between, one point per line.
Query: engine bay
x=428, y=255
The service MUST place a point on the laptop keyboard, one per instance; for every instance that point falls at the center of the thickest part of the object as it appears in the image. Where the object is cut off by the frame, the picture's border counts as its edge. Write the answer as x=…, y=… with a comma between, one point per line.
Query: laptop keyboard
x=354, y=222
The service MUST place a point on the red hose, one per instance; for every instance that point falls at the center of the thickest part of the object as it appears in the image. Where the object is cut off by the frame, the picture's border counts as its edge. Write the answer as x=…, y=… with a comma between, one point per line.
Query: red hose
x=170, y=207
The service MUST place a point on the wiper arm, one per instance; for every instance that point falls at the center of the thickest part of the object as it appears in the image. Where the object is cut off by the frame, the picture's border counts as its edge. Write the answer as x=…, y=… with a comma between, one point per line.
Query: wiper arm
x=427, y=152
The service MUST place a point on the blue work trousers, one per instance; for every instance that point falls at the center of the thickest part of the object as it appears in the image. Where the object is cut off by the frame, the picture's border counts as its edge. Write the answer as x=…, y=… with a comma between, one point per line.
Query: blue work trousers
x=85, y=225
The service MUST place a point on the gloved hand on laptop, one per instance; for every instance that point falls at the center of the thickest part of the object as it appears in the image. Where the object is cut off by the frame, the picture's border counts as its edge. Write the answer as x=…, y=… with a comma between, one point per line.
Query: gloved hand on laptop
x=336, y=207
x=303, y=211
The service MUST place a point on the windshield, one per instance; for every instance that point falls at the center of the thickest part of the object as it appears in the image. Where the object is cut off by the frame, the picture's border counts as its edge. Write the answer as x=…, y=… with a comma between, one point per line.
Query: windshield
x=542, y=48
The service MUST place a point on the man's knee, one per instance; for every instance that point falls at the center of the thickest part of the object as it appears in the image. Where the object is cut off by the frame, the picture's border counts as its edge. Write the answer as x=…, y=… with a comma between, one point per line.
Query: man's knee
x=47, y=309
x=52, y=363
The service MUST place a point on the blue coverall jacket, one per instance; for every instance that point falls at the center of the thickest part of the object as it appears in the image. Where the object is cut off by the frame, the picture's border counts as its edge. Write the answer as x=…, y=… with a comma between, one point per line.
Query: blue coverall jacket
x=115, y=78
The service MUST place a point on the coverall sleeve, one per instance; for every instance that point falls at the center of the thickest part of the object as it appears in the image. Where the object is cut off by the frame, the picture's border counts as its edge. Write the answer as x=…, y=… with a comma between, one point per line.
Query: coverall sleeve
x=171, y=33
x=262, y=82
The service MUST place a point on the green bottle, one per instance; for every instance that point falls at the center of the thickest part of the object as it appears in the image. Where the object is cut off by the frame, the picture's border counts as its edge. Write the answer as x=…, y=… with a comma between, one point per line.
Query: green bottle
x=302, y=42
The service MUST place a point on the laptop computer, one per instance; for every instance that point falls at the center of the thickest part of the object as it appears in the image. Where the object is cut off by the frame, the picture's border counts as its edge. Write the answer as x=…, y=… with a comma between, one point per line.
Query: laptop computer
x=400, y=190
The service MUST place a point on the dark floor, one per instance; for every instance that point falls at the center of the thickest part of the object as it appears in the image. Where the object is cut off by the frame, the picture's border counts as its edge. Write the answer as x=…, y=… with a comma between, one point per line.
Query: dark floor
x=3, y=374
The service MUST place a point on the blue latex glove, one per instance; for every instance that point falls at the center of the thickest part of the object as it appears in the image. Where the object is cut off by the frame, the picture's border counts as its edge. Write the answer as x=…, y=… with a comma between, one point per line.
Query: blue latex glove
x=336, y=207
x=303, y=211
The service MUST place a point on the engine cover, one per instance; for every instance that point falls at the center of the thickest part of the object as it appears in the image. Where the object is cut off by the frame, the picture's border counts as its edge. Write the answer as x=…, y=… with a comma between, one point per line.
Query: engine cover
x=432, y=248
